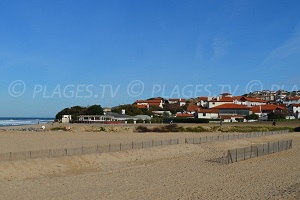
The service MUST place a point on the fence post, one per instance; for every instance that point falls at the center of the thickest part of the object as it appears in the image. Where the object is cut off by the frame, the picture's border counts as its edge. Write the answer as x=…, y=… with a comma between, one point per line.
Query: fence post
x=193, y=140
x=185, y=140
x=251, y=152
x=177, y=140
x=108, y=147
x=66, y=152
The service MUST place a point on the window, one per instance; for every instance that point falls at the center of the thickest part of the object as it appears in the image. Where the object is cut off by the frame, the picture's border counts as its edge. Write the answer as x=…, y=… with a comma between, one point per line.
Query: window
x=204, y=114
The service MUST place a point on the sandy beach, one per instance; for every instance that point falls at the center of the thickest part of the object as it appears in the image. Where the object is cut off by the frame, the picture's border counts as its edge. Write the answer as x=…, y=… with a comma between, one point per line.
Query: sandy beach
x=183, y=171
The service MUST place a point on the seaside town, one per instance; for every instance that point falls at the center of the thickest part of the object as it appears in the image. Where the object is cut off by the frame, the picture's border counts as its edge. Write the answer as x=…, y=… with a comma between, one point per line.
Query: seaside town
x=255, y=106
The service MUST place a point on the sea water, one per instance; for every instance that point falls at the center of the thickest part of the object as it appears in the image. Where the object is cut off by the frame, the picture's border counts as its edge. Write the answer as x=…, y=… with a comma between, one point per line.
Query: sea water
x=18, y=121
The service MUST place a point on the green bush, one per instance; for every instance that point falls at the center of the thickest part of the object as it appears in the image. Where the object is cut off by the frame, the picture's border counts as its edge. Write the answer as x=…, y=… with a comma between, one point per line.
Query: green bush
x=58, y=129
x=139, y=121
x=130, y=121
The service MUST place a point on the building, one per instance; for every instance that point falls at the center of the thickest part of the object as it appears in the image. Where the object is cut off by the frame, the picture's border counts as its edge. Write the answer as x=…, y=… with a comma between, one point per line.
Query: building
x=157, y=102
x=208, y=113
x=66, y=119
x=233, y=109
x=295, y=110
x=263, y=110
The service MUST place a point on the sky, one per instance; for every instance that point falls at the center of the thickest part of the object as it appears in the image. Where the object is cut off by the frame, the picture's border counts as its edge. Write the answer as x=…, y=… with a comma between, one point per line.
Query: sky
x=61, y=53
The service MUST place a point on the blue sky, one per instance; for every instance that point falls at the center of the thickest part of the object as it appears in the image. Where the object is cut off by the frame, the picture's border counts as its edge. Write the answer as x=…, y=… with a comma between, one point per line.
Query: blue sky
x=61, y=53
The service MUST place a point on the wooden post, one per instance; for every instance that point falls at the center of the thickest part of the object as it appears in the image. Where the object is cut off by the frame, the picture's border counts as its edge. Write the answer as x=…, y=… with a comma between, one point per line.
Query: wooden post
x=66, y=152
x=142, y=145
x=132, y=145
x=108, y=147
x=120, y=146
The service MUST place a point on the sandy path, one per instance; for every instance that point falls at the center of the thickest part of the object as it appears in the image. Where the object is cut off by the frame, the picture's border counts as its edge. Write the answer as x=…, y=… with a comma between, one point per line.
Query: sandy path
x=170, y=172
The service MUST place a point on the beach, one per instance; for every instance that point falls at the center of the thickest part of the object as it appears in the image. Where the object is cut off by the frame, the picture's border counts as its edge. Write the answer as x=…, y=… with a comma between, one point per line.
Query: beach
x=182, y=171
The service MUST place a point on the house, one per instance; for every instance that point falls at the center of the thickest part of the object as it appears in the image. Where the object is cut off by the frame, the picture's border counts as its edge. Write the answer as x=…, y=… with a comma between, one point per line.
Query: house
x=295, y=110
x=157, y=102
x=203, y=102
x=66, y=119
x=248, y=101
x=192, y=109
x=263, y=110
x=208, y=113
x=233, y=109
x=108, y=117
x=220, y=101
x=232, y=118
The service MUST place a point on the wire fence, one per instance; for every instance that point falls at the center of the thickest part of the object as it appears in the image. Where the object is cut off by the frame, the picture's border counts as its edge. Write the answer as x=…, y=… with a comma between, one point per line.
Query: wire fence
x=235, y=155
x=52, y=153
x=224, y=137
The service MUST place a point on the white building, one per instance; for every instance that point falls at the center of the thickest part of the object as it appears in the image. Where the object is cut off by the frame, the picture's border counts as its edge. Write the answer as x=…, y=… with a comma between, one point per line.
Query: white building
x=66, y=118
x=208, y=113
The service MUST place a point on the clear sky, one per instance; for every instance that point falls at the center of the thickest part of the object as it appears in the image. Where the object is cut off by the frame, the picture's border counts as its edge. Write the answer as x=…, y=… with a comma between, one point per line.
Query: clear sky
x=60, y=53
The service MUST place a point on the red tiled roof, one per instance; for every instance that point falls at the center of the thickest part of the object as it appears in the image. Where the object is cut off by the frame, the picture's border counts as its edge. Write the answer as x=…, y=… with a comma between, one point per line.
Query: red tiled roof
x=295, y=104
x=252, y=99
x=209, y=110
x=184, y=115
x=203, y=98
x=294, y=98
x=231, y=106
x=192, y=108
x=182, y=100
x=148, y=101
x=268, y=107
x=154, y=104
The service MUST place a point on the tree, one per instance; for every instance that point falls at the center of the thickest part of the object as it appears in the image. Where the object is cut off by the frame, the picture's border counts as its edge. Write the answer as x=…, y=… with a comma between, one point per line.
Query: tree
x=94, y=110
x=276, y=115
x=130, y=109
x=252, y=117
x=79, y=110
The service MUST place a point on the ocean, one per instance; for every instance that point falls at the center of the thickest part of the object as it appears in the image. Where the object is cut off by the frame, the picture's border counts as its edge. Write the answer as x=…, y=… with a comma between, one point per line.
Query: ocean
x=18, y=121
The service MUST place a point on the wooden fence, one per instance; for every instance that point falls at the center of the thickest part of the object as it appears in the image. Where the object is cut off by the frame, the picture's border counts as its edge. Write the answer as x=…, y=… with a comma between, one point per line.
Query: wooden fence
x=235, y=155
x=225, y=137
x=50, y=153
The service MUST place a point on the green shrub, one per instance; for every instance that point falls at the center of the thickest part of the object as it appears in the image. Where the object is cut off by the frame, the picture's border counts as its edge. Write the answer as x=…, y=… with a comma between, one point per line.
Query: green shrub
x=139, y=121
x=130, y=121
x=58, y=129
